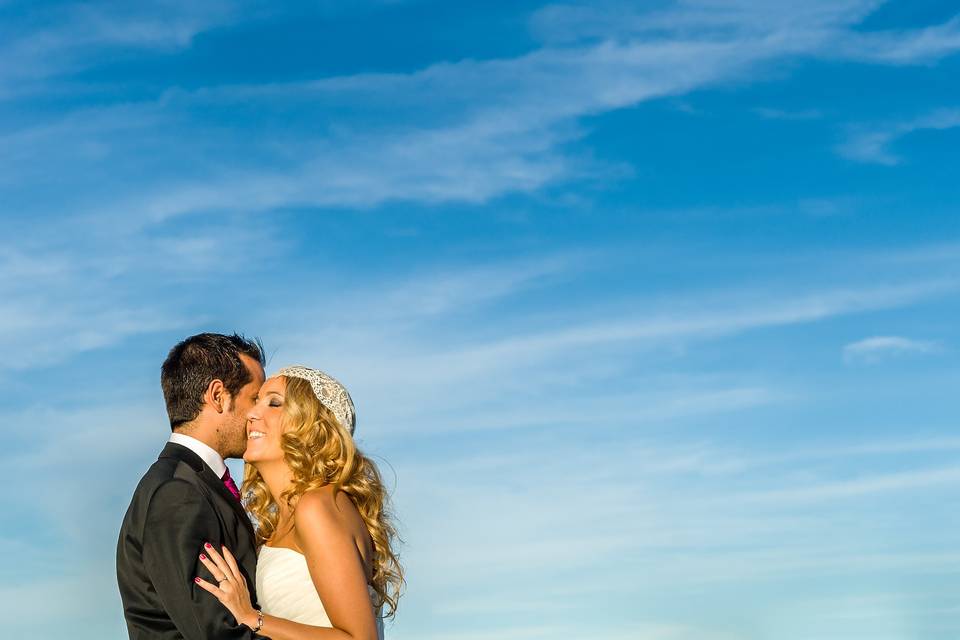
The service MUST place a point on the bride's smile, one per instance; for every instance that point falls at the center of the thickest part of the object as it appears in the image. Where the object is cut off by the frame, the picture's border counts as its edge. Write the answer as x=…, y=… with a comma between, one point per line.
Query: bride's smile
x=265, y=423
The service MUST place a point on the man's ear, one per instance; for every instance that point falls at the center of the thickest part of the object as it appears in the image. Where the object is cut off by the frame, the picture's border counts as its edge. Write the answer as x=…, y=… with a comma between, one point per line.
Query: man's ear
x=217, y=396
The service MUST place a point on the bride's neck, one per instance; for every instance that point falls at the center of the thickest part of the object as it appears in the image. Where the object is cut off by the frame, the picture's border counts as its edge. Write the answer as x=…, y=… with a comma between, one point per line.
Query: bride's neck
x=278, y=477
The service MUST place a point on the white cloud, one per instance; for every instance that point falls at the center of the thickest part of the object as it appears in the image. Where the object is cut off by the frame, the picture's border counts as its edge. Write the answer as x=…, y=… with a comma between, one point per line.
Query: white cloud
x=472, y=130
x=71, y=37
x=782, y=114
x=89, y=293
x=704, y=321
x=876, y=348
x=857, y=487
x=915, y=46
x=540, y=510
x=446, y=291
x=630, y=515
x=522, y=356
x=636, y=518
x=872, y=144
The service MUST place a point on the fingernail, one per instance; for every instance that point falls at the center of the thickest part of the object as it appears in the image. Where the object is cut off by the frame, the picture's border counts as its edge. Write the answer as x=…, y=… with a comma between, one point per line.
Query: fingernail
x=208, y=545
x=203, y=556
x=197, y=579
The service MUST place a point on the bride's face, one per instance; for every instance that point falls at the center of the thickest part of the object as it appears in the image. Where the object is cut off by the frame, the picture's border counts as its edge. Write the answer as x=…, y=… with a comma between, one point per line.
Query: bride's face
x=265, y=423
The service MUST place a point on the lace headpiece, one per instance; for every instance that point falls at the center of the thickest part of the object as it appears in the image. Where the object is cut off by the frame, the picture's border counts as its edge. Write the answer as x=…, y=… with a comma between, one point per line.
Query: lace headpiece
x=329, y=392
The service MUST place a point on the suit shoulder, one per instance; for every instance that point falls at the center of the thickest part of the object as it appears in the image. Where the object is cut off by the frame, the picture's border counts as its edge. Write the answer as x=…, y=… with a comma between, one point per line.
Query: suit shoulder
x=160, y=473
x=176, y=486
x=161, y=470
x=171, y=480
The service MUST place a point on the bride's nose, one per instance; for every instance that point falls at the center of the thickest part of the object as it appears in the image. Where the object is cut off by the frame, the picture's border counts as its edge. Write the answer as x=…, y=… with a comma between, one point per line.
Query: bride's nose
x=253, y=415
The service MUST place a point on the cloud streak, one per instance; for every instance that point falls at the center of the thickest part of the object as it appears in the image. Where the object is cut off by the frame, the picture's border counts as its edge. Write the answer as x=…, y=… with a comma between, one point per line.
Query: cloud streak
x=600, y=406
x=69, y=38
x=512, y=117
x=61, y=301
x=872, y=144
x=871, y=350
x=506, y=125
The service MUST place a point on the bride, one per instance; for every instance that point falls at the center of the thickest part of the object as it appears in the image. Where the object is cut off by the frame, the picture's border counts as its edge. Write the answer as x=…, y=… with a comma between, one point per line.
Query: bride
x=326, y=567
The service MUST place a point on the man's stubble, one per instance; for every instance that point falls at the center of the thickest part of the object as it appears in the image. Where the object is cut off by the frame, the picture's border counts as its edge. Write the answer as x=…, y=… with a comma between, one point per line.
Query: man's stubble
x=232, y=437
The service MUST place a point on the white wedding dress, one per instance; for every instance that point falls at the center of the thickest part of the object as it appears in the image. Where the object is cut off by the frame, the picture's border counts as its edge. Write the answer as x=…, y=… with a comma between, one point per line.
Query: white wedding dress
x=285, y=589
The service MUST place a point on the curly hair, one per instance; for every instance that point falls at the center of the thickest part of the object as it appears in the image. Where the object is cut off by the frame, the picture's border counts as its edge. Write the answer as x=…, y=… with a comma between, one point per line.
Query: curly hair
x=320, y=452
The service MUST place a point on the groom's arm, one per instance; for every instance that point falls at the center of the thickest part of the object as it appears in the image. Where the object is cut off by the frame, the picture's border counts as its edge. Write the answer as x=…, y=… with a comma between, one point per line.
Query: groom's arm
x=179, y=521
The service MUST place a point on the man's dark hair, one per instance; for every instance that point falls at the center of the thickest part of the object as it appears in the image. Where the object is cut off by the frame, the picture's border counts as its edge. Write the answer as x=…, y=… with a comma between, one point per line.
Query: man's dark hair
x=193, y=364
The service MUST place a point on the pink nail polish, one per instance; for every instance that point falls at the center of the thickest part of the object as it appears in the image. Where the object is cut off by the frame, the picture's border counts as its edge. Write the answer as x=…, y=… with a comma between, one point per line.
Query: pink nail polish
x=197, y=579
x=208, y=545
x=203, y=556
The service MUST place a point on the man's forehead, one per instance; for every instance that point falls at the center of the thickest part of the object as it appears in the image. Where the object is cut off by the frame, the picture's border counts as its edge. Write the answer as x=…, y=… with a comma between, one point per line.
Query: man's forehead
x=254, y=367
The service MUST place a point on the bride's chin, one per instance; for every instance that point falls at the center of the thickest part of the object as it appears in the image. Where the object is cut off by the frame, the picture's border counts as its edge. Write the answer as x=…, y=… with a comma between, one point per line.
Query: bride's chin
x=255, y=454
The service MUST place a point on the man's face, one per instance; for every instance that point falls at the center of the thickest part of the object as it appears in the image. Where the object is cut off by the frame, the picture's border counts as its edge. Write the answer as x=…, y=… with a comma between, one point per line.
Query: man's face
x=233, y=434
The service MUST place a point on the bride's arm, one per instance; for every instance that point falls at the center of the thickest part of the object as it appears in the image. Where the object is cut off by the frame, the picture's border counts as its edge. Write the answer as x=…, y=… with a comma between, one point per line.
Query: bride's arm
x=335, y=564
x=336, y=569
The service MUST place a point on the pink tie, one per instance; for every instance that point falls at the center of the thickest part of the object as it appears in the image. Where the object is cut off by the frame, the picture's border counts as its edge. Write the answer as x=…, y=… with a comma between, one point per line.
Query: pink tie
x=230, y=485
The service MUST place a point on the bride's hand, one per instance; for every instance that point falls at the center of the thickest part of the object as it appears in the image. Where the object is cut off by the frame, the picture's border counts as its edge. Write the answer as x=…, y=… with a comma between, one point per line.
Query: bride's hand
x=231, y=587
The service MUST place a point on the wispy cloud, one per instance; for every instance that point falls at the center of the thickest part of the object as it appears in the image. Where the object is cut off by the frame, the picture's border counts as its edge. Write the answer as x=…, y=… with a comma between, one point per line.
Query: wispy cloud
x=707, y=321
x=62, y=300
x=506, y=124
x=510, y=118
x=70, y=37
x=524, y=356
x=648, y=527
x=874, y=349
x=858, y=487
x=783, y=114
x=453, y=291
x=872, y=144
x=634, y=407
x=914, y=46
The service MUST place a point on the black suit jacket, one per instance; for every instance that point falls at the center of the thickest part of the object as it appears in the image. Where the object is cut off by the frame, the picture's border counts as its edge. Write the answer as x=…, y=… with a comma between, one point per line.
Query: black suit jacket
x=179, y=504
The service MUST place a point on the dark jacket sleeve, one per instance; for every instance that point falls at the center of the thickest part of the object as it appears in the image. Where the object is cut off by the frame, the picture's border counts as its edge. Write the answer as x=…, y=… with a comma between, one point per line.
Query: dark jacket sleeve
x=179, y=520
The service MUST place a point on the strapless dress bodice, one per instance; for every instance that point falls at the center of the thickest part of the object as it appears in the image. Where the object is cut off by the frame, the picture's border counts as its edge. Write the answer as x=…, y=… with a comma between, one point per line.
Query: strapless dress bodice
x=285, y=588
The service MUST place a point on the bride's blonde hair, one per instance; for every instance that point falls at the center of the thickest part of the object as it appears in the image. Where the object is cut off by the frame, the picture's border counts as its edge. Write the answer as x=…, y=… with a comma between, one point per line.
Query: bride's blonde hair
x=319, y=452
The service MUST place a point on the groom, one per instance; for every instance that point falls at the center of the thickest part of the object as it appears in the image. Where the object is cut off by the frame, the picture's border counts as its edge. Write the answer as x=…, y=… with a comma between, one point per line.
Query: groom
x=210, y=382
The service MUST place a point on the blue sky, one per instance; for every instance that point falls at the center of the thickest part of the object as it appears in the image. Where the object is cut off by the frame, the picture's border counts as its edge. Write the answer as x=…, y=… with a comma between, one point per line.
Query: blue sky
x=651, y=308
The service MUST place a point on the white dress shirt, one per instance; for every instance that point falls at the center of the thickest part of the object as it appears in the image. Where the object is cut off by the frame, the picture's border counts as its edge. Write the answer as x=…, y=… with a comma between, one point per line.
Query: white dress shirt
x=206, y=453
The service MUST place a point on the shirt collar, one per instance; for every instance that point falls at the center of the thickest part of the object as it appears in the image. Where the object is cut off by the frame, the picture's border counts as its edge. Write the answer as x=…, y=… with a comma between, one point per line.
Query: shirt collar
x=206, y=453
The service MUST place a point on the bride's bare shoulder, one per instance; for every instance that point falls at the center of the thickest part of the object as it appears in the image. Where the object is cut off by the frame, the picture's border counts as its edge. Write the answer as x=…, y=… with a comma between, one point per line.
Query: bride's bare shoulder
x=323, y=508
x=326, y=520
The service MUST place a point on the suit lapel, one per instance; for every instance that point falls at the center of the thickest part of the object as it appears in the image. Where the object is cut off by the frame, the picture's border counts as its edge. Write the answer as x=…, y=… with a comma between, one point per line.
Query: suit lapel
x=217, y=484
x=180, y=452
